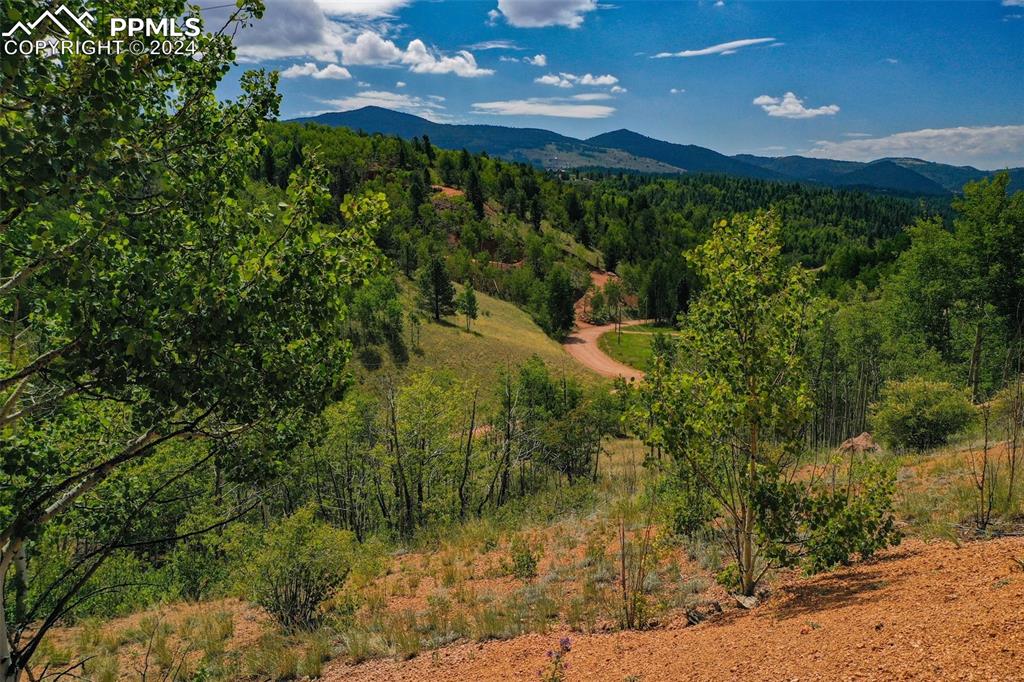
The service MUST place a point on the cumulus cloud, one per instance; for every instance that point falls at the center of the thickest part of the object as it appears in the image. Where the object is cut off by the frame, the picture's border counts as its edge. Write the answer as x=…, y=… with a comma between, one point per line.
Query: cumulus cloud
x=567, y=80
x=543, y=107
x=422, y=60
x=677, y=91
x=1002, y=145
x=541, y=13
x=370, y=49
x=606, y=79
x=329, y=72
x=400, y=84
x=731, y=47
x=300, y=28
x=555, y=80
x=289, y=28
x=427, y=107
x=618, y=90
x=791, y=106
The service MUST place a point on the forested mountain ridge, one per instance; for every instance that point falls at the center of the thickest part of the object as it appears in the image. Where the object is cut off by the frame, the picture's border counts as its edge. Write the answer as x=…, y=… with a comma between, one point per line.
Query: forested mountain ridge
x=627, y=150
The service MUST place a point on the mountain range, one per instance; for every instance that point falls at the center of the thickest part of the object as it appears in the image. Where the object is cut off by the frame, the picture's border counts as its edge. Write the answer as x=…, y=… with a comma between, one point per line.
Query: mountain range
x=629, y=151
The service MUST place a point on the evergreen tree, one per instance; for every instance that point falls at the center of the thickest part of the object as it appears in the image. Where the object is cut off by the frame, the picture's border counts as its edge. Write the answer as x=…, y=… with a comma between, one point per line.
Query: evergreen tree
x=428, y=148
x=559, y=302
x=475, y=193
x=437, y=295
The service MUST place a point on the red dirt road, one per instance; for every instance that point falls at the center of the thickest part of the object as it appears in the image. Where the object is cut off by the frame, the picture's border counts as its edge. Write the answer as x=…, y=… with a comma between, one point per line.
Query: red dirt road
x=582, y=345
x=921, y=611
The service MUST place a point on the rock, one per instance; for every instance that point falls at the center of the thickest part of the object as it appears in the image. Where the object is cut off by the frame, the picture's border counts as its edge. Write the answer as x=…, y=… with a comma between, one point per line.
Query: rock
x=859, y=444
x=746, y=602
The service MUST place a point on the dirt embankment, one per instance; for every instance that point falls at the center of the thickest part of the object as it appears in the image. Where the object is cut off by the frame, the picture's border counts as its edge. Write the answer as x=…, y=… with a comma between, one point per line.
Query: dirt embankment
x=920, y=611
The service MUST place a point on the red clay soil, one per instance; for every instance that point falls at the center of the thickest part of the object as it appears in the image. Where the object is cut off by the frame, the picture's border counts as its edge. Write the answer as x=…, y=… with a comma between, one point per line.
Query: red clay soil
x=447, y=191
x=920, y=611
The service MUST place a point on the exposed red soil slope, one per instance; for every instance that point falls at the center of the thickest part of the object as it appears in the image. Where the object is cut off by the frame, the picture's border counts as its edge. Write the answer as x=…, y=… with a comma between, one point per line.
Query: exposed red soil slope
x=920, y=611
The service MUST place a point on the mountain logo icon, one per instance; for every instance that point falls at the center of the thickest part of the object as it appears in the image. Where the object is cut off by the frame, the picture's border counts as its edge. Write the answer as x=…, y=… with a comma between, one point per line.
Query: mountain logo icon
x=61, y=18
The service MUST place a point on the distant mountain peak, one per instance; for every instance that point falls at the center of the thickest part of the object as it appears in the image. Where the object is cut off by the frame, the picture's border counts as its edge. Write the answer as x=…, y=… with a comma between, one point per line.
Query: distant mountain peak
x=628, y=150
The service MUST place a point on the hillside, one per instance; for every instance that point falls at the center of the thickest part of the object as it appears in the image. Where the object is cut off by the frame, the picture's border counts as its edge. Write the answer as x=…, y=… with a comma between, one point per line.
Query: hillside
x=630, y=151
x=502, y=337
x=921, y=611
x=690, y=158
x=533, y=145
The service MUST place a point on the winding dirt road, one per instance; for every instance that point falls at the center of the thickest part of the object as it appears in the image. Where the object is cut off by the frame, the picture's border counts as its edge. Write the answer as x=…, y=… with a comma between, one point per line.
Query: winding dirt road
x=582, y=345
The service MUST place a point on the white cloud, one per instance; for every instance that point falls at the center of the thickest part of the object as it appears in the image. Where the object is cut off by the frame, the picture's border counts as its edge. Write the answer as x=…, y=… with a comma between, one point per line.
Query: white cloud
x=535, y=60
x=540, y=13
x=363, y=84
x=1003, y=145
x=618, y=90
x=606, y=79
x=566, y=80
x=361, y=8
x=329, y=72
x=591, y=96
x=555, y=80
x=892, y=60
x=370, y=49
x=722, y=48
x=856, y=134
x=791, y=106
x=719, y=3
x=494, y=45
x=400, y=84
x=1013, y=3
x=422, y=60
x=677, y=91
x=541, y=107
x=426, y=107
x=289, y=28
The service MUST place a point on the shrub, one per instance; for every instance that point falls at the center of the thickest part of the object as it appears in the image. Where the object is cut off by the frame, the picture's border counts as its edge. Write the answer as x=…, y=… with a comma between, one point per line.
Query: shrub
x=302, y=562
x=919, y=414
x=524, y=559
x=824, y=526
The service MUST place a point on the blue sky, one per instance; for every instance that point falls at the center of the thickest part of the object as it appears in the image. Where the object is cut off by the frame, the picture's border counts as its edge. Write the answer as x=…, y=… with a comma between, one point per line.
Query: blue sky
x=938, y=80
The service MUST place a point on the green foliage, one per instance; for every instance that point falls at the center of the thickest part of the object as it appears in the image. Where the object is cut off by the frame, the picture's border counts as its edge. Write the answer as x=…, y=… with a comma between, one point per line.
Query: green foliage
x=919, y=414
x=302, y=561
x=734, y=411
x=467, y=305
x=559, y=299
x=436, y=293
x=823, y=526
x=523, y=558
